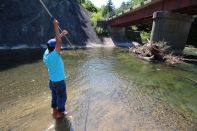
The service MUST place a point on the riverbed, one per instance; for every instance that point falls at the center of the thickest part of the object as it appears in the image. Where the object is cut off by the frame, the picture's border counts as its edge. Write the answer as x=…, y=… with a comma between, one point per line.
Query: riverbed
x=108, y=90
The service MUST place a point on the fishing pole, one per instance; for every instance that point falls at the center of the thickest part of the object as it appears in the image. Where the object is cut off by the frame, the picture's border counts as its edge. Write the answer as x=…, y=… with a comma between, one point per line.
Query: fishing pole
x=58, y=25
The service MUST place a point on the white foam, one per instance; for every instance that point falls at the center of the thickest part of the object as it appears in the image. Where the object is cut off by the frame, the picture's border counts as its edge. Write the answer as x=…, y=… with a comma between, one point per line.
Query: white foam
x=93, y=45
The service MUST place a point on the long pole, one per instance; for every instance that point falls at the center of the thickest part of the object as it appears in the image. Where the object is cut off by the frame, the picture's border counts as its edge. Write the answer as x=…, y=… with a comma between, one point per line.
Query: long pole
x=58, y=26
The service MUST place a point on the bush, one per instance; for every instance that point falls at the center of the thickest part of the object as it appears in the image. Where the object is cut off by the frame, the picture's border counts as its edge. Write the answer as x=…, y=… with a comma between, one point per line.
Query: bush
x=144, y=36
x=97, y=14
x=94, y=18
x=145, y=31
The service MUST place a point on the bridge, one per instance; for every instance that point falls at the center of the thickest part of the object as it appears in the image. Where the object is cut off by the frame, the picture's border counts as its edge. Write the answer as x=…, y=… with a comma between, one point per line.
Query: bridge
x=144, y=11
x=171, y=19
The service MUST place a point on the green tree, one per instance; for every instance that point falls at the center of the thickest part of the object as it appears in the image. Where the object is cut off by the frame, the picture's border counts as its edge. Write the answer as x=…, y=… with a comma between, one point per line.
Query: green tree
x=104, y=10
x=89, y=6
x=110, y=6
x=124, y=6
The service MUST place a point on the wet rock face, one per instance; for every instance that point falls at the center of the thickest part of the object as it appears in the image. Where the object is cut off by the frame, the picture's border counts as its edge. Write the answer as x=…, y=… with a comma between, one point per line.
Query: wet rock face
x=26, y=22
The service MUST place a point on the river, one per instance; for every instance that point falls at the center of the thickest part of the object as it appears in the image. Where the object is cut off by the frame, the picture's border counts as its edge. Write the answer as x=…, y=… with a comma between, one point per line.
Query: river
x=108, y=90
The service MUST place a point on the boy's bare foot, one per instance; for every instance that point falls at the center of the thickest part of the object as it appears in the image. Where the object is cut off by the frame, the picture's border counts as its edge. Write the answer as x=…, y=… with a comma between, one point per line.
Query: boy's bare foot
x=54, y=112
x=59, y=115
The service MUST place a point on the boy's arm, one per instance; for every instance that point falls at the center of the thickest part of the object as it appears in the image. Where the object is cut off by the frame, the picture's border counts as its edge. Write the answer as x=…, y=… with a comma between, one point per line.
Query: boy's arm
x=57, y=36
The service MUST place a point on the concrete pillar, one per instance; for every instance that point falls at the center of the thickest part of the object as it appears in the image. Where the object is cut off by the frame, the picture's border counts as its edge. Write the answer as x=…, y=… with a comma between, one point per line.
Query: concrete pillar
x=172, y=28
x=133, y=35
x=118, y=33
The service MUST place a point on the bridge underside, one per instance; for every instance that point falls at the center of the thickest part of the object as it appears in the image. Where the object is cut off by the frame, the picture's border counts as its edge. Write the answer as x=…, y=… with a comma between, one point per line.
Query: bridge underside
x=145, y=13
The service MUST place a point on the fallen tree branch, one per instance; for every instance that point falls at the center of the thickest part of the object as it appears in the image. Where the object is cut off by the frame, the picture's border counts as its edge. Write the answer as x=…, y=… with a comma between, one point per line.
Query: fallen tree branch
x=190, y=60
x=155, y=51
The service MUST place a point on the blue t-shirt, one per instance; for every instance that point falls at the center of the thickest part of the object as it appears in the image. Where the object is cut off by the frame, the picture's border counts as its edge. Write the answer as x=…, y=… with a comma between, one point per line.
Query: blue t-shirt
x=55, y=65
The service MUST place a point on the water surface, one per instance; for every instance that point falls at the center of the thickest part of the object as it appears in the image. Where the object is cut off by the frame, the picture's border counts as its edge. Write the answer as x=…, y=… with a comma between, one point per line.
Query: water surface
x=108, y=89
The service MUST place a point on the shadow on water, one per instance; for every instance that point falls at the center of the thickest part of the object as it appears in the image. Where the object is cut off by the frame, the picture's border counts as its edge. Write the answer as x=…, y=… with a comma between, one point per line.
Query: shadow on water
x=63, y=125
x=13, y=58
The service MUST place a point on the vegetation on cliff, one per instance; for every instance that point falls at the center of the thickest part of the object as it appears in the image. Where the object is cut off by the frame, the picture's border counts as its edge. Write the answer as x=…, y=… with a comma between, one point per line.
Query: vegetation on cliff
x=30, y=23
x=97, y=13
x=105, y=11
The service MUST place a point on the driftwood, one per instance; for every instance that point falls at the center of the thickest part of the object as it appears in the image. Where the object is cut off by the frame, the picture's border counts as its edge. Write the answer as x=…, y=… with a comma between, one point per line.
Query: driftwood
x=154, y=51
x=157, y=51
x=190, y=60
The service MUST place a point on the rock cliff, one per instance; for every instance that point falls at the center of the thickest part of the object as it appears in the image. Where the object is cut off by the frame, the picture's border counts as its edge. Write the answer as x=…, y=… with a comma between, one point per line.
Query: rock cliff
x=26, y=22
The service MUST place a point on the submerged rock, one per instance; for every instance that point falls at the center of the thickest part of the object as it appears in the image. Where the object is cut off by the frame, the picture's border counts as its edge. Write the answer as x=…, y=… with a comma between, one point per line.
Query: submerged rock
x=26, y=22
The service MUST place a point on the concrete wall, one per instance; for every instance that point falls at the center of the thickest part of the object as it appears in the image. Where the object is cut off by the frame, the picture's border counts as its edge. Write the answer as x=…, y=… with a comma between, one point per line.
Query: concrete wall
x=124, y=34
x=118, y=33
x=172, y=28
x=133, y=35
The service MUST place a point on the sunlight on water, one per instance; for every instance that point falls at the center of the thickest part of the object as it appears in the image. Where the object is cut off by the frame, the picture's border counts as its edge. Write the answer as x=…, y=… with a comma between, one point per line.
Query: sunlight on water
x=108, y=89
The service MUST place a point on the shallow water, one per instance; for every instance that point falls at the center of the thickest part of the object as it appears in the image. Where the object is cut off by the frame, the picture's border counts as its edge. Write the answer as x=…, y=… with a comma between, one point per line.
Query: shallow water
x=108, y=89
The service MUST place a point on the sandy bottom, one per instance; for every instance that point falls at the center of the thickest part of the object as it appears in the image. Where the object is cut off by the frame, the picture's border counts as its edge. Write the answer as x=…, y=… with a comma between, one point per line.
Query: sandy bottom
x=100, y=97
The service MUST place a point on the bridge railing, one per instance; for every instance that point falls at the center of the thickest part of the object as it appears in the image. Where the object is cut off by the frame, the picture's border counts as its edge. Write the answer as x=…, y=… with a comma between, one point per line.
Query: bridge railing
x=112, y=15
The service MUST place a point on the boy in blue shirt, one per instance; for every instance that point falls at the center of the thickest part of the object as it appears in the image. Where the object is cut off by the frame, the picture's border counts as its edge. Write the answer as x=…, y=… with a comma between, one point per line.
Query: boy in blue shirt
x=57, y=77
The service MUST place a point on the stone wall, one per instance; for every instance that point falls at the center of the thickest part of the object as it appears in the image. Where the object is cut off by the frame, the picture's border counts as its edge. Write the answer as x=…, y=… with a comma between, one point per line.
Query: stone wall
x=26, y=22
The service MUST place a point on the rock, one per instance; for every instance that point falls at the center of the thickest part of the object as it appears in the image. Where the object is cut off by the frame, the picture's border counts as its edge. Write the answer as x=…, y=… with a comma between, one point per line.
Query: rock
x=26, y=22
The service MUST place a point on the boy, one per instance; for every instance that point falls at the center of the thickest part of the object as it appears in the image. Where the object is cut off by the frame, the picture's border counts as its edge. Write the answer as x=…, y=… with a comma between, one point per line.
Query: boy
x=55, y=67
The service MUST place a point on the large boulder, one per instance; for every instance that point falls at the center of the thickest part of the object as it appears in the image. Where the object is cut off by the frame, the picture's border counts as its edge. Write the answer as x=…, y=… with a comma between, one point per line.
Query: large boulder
x=26, y=22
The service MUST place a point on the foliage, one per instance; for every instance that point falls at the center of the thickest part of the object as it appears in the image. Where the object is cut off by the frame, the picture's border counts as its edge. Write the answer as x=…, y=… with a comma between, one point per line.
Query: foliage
x=89, y=6
x=110, y=6
x=145, y=36
x=145, y=31
x=95, y=17
x=99, y=15
x=124, y=6
x=144, y=27
x=104, y=10
x=109, y=9
x=136, y=2
x=80, y=1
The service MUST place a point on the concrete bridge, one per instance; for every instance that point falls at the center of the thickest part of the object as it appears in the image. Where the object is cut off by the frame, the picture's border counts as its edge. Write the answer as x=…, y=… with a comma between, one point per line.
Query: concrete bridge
x=171, y=20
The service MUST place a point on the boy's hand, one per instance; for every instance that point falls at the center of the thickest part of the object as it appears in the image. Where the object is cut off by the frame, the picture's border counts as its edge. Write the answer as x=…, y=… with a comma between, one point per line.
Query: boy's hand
x=64, y=33
x=55, y=22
